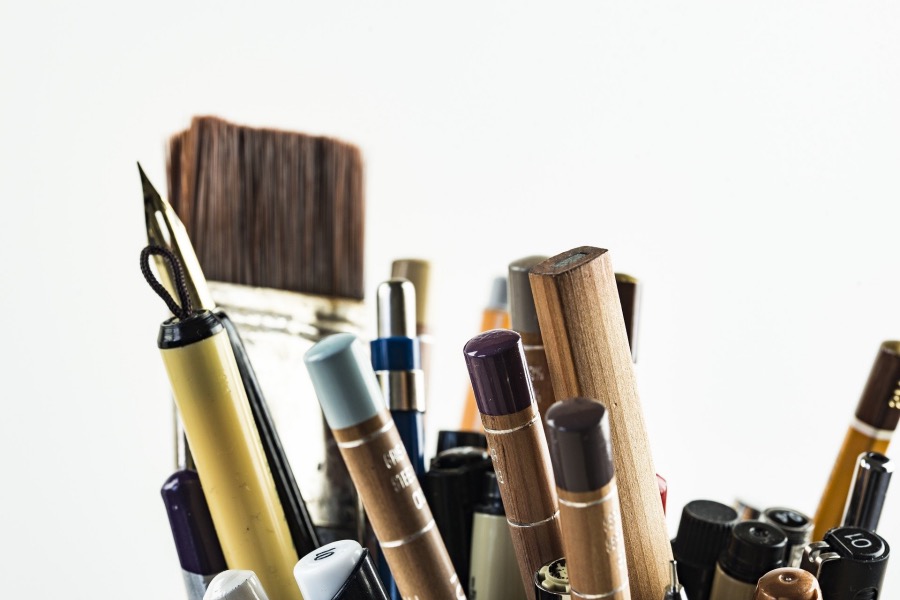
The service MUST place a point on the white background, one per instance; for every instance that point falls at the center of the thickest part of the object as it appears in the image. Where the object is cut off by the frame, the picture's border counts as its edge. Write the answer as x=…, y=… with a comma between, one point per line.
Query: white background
x=739, y=158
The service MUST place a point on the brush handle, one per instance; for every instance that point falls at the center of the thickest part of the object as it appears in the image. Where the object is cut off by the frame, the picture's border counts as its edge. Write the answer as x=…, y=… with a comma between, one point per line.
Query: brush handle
x=303, y=533
x=536, y=359
x=587, y=351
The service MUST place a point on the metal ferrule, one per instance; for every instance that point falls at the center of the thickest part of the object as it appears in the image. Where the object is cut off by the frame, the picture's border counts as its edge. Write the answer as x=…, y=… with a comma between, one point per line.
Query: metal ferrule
x=396, y=299
x=403, y=390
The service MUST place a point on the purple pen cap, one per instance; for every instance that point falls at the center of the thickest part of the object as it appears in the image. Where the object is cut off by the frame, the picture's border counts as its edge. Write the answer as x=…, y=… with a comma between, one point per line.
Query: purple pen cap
x=499, y=374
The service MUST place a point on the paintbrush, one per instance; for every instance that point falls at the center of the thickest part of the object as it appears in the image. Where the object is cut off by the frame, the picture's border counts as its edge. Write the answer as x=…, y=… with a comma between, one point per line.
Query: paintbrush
x=277, y=221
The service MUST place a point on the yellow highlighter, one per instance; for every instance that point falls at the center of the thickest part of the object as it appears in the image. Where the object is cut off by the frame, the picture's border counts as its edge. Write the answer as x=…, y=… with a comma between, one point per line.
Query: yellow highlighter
x=873, y=425
x=230, y=460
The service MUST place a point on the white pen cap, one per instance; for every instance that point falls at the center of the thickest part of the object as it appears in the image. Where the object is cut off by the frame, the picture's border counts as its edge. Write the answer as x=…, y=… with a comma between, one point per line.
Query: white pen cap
x=235, y=584
x=321, y=573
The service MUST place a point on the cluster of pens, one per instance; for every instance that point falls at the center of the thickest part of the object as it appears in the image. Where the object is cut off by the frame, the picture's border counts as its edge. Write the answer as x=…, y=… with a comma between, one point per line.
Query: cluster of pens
x=560, y=488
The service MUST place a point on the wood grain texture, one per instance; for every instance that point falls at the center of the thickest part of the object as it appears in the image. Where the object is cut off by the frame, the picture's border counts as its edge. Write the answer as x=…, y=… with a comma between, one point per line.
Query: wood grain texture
x=396, y=506
x=587, y=351
x=591, y=525
x=536, y=358
x=521, y=460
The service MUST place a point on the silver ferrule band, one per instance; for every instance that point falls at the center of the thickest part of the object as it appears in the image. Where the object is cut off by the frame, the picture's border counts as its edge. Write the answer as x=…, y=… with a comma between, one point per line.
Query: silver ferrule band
x=609, y=496
x=536, y=523
x=403, y=390
x=598, y=596
x=872, y=432
x=533, y=420
x=409, y=538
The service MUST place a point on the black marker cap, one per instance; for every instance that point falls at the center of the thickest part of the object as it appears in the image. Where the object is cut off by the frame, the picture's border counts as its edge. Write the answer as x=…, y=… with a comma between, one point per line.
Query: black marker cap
x=499, y=374
x=458, y=439
x=850, y=563
x=868, y=491
x=491, y=503
x=755, y=548
x=363, y=583
x=579, y=443
x=703, y=532
x=176, y=333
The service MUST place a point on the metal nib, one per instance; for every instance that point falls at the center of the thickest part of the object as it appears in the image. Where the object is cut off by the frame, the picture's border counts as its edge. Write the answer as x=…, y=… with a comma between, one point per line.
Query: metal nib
x=165, y=229
x=396, y=300
x=674, y=591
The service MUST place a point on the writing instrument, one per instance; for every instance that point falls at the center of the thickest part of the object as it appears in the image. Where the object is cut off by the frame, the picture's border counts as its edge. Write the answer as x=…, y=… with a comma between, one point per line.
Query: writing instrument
x=755, y=548
x=674, y=591
x=868, y=491
x=747, y=510
x=196, y=542
x=341, y=570
x=523, y=320
x=850, y=563
x=493, y=571
x=379, y=466
x=236, y=584
x=578, y=435
x=457, y=439
x=518, y=447
x=166, y=230
x=395, y=358
x=244, y=505
x=551, y=581
x=453, y=485
x=796, y=526
x=588, y=354
x=703, y=532
x=629, y=289
x=418, y=271
x=870, y=430
x=787, y=584
x=496, y=316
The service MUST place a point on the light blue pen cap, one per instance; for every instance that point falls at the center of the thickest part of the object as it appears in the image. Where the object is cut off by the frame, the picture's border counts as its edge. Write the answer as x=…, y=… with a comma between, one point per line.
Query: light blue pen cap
x=344, y=380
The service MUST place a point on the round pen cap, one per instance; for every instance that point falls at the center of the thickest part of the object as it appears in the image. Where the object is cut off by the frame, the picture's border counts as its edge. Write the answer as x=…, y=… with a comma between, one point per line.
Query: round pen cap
x=551, y=581
x=788, y=584
x=579, y=442
x=456, y=459
x=795, y=525
x=458, y=439
x=499, y=374
x=703, y=532
x=499, y=299
x=522, y=313
x=418, y=271
x=235, y=584
x=879, y=405
x=857, y=544
x=176, y=333
x=868, y=491
x=195, y=536
x=326, y=571
x=396, y=308
x=755, y=548
x=344, y=381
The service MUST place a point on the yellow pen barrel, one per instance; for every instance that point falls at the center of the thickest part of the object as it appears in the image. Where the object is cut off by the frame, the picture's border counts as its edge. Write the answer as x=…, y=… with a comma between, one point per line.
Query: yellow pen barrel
x=240, y=491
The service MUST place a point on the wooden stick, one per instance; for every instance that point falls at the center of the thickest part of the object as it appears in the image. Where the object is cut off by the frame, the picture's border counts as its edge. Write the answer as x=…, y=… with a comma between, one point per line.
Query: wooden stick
x=587, y=351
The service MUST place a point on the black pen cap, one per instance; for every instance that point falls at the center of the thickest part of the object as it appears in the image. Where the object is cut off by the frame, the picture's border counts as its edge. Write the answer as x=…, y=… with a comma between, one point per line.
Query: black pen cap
x=704, y=530
x=195, y=536
x=491, y=503
x=579, y=442
x=177, y=333
x=868, y=491
x=458, y=439
x=363, y=583
x=850, y=563
x=755, y=548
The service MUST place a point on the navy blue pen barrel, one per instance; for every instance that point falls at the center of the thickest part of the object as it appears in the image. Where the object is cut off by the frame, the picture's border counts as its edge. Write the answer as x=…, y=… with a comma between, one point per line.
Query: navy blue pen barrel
x=396, y=353
x=412, y=431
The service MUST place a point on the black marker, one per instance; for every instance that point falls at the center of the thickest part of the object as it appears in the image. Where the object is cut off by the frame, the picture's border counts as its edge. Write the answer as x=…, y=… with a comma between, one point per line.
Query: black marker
x=796, y=526
x=755, y=548
x=868, y=490
x=703, y=532
x=850, y=564
x=341, y=570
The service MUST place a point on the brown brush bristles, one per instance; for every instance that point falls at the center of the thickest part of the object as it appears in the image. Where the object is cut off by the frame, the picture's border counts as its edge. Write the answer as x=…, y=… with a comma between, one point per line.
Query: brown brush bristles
x=271, y=208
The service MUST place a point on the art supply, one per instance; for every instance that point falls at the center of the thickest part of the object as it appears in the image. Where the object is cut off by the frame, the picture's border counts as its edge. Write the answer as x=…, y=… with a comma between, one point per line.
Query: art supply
x=165, y=229
x=850, y=563
x=787, y=584
x=380, y=467
x=518, y=447
x=453, y=485
x=868, y=491
x=418, y=272
x=629, y=289
x=551, y=581
x=277, y=221
x=493, y=571
x=340, y=570
x=460, y=439
x=663, y=490
x=236, y=584
x=240, y=492
x=747, y=511
x=587, y=350
x=876, y=418
x=524, y=321
x=703, y=532
x=578, y=436
x=755, y=548
x=195, y=536
x=796, y=526
x=674, y=591
x=496, y=316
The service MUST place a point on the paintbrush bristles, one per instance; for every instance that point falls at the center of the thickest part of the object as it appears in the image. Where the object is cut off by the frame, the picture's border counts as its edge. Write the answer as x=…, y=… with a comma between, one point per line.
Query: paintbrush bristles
x=271, y=208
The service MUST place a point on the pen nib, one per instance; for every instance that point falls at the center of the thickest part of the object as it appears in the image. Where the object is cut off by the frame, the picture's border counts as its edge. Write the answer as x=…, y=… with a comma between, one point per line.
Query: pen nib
x=674, y=591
